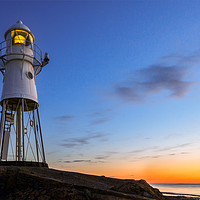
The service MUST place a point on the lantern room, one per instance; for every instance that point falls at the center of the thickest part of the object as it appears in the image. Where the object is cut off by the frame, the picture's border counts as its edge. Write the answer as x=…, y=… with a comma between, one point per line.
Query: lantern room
x=21, y=37
x=19, y=34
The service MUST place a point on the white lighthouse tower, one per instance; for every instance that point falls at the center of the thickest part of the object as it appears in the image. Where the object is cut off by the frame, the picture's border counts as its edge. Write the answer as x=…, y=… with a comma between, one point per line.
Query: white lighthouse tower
x=21, y=59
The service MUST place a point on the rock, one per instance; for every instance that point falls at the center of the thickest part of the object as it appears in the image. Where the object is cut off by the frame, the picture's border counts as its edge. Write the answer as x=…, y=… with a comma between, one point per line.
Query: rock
x=17, y=183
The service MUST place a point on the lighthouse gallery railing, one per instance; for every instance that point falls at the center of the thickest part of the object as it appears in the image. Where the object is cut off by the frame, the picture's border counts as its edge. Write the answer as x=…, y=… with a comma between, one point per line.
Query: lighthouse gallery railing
x=37, y=54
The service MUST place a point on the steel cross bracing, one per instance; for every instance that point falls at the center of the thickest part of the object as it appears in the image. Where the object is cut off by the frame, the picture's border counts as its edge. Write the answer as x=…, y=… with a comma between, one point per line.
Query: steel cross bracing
x=23, y=127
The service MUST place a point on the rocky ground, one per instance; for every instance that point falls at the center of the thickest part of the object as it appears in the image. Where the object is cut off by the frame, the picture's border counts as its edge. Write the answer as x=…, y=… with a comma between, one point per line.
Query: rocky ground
x=35, y=183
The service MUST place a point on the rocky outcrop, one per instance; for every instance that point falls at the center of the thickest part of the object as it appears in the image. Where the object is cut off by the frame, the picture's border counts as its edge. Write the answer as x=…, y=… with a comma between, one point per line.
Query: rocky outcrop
x=48, y=184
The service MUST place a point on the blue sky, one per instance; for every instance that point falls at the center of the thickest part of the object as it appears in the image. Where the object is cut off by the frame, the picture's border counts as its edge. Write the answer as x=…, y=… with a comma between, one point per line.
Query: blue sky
x=121, y=90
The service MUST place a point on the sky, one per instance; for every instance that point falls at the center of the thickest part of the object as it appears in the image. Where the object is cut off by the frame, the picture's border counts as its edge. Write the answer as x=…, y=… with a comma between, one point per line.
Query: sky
x=120, y=96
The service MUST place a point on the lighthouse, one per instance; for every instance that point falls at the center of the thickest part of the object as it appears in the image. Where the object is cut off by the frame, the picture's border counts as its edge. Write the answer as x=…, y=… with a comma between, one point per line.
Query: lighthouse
x=21, y=60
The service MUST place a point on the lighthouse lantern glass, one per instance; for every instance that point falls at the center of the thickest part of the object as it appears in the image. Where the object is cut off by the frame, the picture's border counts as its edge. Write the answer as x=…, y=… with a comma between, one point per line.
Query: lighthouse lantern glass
x=21, y=37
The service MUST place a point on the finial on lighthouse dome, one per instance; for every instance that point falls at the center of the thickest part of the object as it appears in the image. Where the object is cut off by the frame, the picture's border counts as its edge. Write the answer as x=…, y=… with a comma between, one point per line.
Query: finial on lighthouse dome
x=19, y=22
x=18, y=26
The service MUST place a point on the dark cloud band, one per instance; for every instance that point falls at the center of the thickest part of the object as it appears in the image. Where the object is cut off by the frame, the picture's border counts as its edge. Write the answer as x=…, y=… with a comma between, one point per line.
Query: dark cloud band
x=168, y=76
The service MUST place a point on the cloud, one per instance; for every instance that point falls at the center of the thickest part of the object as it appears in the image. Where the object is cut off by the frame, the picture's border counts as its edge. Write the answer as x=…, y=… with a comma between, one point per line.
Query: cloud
x=174, y=147
x=184, y=152
x=159, y=149
x=52, y=152
x=100, y=117
x=172, y=154
x=168, y=75
x=101, y=157
x=179, y=153
x=77, y=161
x=64, y=118
x=153, y=157
x=112, y=152
x=143, y=150
x=155, y=79
x=190, y=60
x=106, y=155
x=100, y=121
x=96, y=114
x=156, y=156
x=83, y=161
x=157, y=152
x=73, y=142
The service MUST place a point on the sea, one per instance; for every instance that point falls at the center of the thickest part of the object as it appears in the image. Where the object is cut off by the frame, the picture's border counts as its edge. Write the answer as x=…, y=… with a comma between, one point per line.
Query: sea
x=180, y=188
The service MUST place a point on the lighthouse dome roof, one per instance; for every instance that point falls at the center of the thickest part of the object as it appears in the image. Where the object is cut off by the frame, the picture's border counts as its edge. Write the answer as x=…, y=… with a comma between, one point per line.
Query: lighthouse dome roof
x=18, y=26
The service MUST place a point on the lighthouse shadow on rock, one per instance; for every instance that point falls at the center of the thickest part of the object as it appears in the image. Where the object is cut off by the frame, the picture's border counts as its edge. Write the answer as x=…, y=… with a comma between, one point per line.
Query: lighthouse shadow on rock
x=21, y=59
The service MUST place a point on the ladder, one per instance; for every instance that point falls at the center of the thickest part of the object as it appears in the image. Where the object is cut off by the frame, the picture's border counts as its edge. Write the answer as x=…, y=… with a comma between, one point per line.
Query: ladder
x=9, y=121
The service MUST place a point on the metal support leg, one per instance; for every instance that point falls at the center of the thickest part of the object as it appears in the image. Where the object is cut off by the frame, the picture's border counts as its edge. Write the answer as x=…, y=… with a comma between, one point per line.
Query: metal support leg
x=3, y=138
x=2, y=146
x=18, y=133
x=23, y=153
x=35, y=132
x=40, y=130
x=2, y=121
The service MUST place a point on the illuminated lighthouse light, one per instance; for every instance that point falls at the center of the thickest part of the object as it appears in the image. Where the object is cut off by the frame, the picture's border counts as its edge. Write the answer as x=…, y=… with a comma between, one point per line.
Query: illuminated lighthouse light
x=21, y=37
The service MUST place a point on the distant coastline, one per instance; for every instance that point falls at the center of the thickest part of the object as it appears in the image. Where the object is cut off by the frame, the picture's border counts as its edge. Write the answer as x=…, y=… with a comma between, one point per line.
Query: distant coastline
x=179, y=189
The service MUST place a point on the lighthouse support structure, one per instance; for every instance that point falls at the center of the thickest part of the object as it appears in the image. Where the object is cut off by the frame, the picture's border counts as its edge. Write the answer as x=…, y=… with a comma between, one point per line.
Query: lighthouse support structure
x=13, y=123
x=21, y=141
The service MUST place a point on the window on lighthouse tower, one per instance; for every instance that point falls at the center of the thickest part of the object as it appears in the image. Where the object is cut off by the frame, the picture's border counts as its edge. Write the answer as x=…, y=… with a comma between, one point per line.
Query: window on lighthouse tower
x=21, y=37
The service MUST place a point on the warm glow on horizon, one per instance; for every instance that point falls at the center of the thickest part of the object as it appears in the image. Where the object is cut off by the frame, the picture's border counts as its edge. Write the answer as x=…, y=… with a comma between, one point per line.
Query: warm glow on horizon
x=153, y=172
x=173, y=172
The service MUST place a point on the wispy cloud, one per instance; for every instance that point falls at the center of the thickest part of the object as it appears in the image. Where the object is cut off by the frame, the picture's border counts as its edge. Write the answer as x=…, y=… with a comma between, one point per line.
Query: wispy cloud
x=147, y=157
x=77, y=161
x=83, y=161
x=143, y=150
x=100, y=121
x=106, y=156
x=155, y=156
x=73, y=142
x=157, y=152
x=168, y=75
x=159, y=149
x=110, y=153
x=174, y=147
x=100, y=117
x=52, y=152
x=64, y=118
x=101, y=157
x=155, y=79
